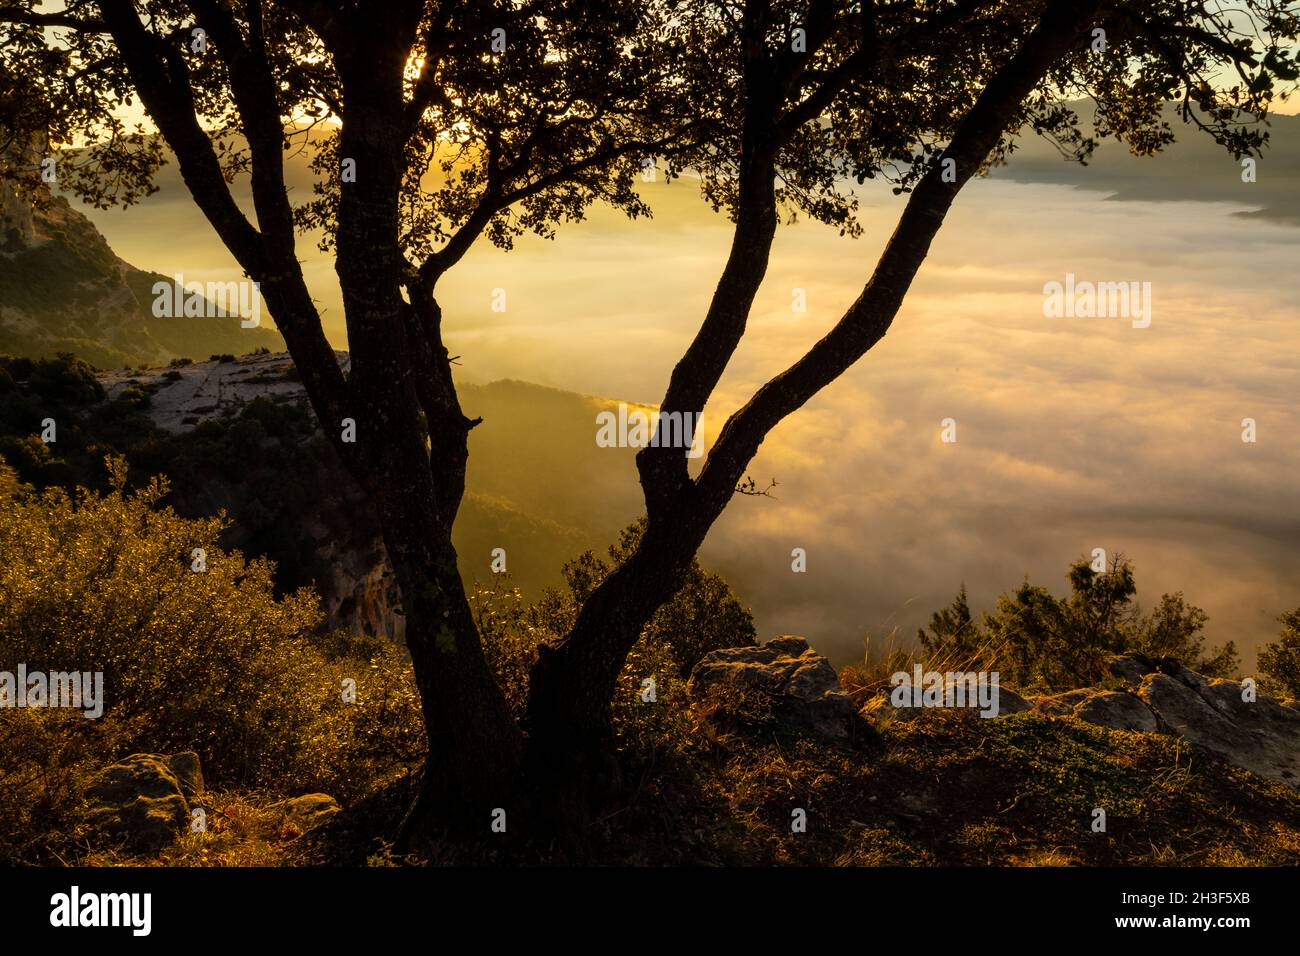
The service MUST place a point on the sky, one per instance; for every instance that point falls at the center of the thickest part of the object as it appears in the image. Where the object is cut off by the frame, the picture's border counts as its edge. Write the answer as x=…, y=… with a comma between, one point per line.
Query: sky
x=1072, y=433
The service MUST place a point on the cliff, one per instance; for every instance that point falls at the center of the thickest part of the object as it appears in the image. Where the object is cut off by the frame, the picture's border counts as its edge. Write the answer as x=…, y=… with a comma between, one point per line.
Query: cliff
x=63, y=289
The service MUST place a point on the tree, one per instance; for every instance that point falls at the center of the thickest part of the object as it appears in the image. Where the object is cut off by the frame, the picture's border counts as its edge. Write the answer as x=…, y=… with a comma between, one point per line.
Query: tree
x=1280, y=661
x=468, y=119
x=1174, y=629
x=953, y=637
x=703, y=615
x=1039, y=640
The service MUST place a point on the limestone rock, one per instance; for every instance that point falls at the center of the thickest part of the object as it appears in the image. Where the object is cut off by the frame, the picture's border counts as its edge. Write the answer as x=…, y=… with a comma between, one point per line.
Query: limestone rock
x=799, y=684
x=1117, y=710
x=1262, y=735
x=185, y=765
x=140, y=802
x=308, y=811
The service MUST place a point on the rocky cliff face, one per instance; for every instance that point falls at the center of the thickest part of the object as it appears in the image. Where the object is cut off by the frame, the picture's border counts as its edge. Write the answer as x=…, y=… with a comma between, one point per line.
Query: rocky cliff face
x=357, y=587
x=63, y=289
x=522, y=495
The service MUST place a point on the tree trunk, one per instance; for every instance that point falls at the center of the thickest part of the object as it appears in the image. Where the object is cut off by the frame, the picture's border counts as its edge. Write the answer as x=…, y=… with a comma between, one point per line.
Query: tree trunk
x=474, y=743
x=570, y=760
x=570, y=732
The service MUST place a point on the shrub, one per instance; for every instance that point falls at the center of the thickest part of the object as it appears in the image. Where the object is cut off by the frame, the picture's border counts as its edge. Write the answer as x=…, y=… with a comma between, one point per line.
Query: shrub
x=1039, y=641
x=209, y=661
x=1280, y=661
x=46, y=759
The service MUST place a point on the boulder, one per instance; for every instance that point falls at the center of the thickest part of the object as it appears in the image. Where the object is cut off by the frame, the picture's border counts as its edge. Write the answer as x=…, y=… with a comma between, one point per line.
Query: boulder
x=1262, y=735
x=185, y=765
x=140, y=802
x=799, y=686
x=957, y=690
x=1130, y=668
x=1009, y=702
x=1062, y=705
x=308, y=811
x=1117, y=710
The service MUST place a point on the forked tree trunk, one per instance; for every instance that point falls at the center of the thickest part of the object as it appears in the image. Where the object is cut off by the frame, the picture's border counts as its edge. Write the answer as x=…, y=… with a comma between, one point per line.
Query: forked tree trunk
x=571, y=764
x=571, y=736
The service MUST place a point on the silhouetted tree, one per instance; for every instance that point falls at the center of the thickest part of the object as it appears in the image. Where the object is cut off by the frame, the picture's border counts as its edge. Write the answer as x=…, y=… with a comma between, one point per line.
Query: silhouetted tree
x=454, y=137
x=1037, y=640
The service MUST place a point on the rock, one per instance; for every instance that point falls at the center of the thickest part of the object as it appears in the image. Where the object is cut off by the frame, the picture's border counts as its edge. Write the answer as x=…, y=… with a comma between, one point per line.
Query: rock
x=1009, y=702
x=799, y=684
x=185, y=765
x=1262, y=736
x=1117, y=710
x=958, y=694
x=1130, y=668
x=1062, y=705
x=140, y=801
x=308, y=811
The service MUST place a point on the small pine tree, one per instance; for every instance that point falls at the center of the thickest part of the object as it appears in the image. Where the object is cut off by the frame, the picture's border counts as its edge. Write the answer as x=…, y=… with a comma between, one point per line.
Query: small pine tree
x=1280, y=661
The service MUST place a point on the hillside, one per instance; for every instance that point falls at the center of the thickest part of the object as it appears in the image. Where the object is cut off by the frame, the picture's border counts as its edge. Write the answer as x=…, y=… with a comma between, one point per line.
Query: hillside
x=63, y=289
x=1179, y=174
x=237, y=434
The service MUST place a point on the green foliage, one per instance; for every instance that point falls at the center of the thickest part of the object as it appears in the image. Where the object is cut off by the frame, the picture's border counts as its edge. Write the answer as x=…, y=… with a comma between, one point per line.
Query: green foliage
x=212, y=661
x=1039, y=641
x=704, y=615
x=1280, y=661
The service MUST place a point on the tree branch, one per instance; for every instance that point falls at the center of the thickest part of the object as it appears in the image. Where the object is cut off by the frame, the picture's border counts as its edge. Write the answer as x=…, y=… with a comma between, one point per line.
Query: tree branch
x=869, y=318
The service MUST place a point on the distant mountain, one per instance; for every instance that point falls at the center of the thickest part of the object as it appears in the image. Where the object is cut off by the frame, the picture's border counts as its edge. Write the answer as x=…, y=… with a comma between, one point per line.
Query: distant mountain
x=62, y=289
x=1193, y=167
x=238, y=435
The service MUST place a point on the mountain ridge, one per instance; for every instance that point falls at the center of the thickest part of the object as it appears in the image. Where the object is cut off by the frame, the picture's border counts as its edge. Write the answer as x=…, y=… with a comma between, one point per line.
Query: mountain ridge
x=64, y=289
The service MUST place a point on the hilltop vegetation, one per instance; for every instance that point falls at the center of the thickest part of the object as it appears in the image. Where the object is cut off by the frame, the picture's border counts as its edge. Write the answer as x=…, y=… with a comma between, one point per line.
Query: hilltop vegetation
x=216, y=662
x=1038, y=641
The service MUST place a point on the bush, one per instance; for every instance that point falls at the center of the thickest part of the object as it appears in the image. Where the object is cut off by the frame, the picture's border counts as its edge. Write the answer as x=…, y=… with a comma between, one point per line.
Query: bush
x=206, y=660
x=1280, y=661
x=46, y=759
x=1039, y=641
